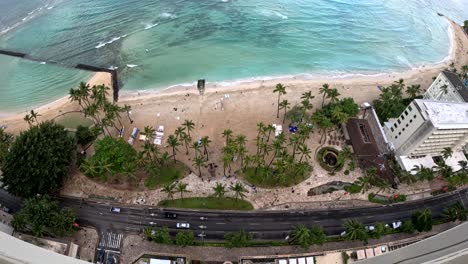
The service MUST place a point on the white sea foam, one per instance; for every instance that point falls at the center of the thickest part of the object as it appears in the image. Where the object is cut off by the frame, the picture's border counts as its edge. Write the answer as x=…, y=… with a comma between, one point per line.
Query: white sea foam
x=280, y=15
x=132, y=65
x=167, y=15
x=149, y=26
x=102, y=44
x=50, y=7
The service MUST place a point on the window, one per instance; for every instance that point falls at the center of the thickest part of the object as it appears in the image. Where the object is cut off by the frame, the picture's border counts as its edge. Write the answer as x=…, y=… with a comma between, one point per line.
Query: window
x=411, y=120
x=410, y=108
x=392, y=129
x=396, y=137
x=403, y=129
x=399, y=133
x=406, y=112
x=395, y=125
x=402, y=117
x=407, y=125
x=414, y=116
x=399, y=122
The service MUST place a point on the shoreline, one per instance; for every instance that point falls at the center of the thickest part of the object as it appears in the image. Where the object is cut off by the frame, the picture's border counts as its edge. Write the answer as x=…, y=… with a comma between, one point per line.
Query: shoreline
x=417, y=74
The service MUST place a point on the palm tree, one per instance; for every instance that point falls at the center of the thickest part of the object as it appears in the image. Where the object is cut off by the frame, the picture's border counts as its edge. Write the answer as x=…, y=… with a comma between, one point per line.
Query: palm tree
x=355, y=230
x=333, y=95
x=174, y=143
x=227, y=133
x=444, y=89
x=407, y=177
x=227, y=160
x=182, y=188
x=325, y=89
x=307, y=95
x=219, y=190
x=186, y=139
x=363, y=183
x=196, y=147
x=164, y=159
x=423, y=173
x=169, y=189
x=199, y=162
x=128, y=110
x=447, y=152
x=301, y=236
x=413, y=90
x=28, y=118
x=304, y=151
x=149, y=133
x=189, y=125
x=284, y=105
x=205, y=142
x=178, y=132
x=270, y=129
x=239, y=190
x=281, y=90
x=455, y=212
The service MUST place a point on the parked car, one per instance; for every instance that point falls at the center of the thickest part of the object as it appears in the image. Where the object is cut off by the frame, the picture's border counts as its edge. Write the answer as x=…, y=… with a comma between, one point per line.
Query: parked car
x=171, y=215
x=183, y=225
x=370, y=228
x=115, y=209
x=101, y=254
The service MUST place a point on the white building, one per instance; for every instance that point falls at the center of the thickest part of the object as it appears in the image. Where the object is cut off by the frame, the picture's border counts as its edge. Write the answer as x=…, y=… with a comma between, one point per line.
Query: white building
x=425, y=128
x=447, y=87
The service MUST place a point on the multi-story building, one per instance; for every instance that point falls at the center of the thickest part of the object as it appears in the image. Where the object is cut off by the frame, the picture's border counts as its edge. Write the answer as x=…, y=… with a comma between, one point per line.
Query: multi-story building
x=447, y=87
x=425, y=128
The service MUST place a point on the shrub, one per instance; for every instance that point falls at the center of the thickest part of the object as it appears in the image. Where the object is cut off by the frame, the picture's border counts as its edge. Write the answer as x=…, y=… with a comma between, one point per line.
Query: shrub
x=185, y=238
x=407, y=227
x=345, y=257
x=238, y=239
x=84, y=135
x=346, y=172
x=422, y=220
x=353, y=188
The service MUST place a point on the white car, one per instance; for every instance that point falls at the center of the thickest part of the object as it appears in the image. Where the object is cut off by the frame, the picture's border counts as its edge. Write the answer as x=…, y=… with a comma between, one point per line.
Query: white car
x=183, y=225
x=370, y=228
x=396, y=224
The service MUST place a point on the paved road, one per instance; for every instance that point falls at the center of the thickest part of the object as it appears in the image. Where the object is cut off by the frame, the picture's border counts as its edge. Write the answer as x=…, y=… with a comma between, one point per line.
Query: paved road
x=272, y=225
x=263, y=224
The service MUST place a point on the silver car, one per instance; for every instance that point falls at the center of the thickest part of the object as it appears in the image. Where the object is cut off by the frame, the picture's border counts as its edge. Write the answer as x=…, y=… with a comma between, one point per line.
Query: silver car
x=183, y=225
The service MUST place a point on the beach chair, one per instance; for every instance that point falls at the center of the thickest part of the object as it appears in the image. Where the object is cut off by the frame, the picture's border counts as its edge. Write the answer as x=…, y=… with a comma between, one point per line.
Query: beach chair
x=157, y=141
x=142, y=137
x=133, y=136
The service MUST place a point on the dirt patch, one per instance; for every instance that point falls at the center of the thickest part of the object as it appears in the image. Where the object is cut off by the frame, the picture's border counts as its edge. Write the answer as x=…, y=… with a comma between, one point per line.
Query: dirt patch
x=87, y=240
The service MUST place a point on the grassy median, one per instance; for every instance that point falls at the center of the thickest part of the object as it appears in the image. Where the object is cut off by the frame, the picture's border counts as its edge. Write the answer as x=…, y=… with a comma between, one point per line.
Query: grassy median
x=226, y=203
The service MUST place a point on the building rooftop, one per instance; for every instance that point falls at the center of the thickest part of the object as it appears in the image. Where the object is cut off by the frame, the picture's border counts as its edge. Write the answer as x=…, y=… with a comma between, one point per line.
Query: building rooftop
x=457, y=83
x=366, y=148
x=444, y=115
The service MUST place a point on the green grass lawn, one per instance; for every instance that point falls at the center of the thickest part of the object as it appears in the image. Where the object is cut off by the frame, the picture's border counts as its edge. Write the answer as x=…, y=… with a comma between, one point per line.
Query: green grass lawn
x=166, y=175
x=73, y=120
x=226, y=203
x=271, y=181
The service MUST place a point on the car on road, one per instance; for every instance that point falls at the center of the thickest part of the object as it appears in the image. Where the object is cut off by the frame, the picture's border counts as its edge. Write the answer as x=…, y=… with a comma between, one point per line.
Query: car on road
x=370, y=228
x=183, y=225
x=171, y=215
x=100, y=256
x=115, y=209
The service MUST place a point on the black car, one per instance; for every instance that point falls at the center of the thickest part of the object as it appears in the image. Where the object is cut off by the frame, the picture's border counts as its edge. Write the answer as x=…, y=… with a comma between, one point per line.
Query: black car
x=171, y=215
x=101, y=254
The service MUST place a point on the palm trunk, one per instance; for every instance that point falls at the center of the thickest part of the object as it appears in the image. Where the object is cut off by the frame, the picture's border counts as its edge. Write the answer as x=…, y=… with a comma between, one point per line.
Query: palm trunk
x=323, y=99
x=186, y=147
x=173, y=154
x=271, y=162
x=300, y=160
x=224, y=170
x=229, y=167
x=277, y=112
x=199, y=171
x=269, y=133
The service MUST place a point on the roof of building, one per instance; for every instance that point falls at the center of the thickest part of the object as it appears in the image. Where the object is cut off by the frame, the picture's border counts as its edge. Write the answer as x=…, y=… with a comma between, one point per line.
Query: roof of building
x=458, y=84
x=444, y=115
x=366, y=148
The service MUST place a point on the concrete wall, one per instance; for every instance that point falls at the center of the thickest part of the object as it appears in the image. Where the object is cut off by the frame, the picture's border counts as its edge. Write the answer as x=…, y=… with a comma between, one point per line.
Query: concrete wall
x=434, y=92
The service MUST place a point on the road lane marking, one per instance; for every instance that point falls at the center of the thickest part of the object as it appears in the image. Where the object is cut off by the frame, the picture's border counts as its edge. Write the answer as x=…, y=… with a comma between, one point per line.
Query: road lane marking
x=220, y=223
x=254, y=224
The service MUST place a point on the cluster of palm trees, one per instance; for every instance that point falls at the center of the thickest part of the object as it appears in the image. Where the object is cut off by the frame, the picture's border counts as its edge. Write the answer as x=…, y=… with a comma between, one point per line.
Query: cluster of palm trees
x=95, y=105
x=462, y=73
x=31, y=118
x=219, y=190
x=370, y=179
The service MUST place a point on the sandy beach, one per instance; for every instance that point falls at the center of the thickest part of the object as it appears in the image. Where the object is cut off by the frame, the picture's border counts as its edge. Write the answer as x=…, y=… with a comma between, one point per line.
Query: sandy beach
x=238, y=107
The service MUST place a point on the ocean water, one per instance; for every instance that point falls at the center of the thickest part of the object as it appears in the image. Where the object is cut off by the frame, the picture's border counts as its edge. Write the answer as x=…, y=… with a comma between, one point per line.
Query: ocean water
x=156, y=44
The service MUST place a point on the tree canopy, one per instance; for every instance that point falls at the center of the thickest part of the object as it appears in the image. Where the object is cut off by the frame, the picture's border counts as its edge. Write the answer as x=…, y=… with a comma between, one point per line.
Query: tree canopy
x=113, y=156
x=422, y=220
x=5, y=141
x=38, y=160
x=238, y=239
x=42, y=216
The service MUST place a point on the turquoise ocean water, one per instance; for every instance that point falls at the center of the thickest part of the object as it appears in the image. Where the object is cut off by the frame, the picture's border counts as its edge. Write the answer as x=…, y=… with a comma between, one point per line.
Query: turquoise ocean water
x=159, y=43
